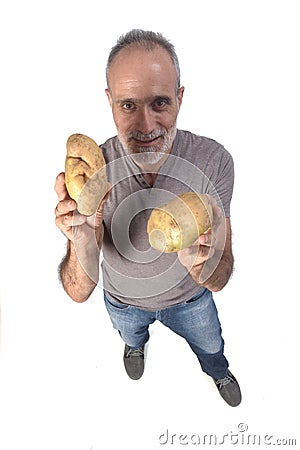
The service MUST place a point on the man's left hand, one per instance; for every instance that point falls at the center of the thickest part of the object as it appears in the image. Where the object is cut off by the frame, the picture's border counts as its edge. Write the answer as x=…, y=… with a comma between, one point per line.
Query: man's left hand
x=205, y=246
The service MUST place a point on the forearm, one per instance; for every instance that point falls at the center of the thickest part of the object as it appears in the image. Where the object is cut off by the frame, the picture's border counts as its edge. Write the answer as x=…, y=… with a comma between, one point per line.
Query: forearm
x=79, y=274
x=215, y=273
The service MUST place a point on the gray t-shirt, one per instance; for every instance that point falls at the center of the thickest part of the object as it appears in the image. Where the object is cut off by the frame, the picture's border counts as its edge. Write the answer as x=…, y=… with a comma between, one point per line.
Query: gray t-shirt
x=133, y=272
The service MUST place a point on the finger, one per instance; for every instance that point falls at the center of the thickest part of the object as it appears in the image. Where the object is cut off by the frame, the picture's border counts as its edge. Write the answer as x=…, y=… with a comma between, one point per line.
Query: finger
x=65, y=207
x=195, y=255
x=217, y=214
x=67, y=224
x=101, y=206
x=73, y=220
x=60, y=187
x=96, y=220
x=205, y=239
x=66, y=230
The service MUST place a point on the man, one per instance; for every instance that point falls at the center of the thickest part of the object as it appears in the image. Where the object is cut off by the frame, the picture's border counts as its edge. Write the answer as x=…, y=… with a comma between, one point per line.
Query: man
x=148, y=163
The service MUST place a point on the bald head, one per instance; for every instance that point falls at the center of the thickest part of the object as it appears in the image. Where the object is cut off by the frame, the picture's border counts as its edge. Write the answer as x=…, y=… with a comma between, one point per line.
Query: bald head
x=143, y=40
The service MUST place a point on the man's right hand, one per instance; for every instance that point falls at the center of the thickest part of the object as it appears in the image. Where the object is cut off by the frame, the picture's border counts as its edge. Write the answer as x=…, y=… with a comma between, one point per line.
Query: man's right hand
x=79, y=270
x=73, y=225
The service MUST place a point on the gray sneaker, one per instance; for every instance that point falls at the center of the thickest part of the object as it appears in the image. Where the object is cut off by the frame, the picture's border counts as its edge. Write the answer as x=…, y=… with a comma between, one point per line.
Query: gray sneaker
x=229, y=389
x=134, y=362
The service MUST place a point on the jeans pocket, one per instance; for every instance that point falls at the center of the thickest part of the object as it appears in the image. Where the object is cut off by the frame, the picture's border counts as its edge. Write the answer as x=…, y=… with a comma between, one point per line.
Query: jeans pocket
x=114, y=303
x=197, y=296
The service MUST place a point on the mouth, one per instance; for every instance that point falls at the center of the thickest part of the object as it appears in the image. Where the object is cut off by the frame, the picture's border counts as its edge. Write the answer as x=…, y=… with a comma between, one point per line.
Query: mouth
x=146, y=143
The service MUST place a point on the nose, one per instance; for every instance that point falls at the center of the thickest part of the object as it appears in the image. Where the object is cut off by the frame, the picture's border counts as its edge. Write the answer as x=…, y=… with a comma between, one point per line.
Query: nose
x=145, y=120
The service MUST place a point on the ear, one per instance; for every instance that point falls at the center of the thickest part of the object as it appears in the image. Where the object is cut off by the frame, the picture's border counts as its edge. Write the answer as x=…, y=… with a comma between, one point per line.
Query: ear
x=180, y=95
x=107, y=92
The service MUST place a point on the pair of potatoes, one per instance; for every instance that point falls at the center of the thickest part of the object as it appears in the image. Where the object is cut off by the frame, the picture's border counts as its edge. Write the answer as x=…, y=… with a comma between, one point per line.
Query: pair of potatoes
x=171, y=227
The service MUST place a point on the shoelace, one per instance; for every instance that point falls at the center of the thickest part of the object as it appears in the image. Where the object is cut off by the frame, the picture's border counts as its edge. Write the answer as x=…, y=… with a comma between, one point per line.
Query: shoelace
x=223, y=381
x=137, y=352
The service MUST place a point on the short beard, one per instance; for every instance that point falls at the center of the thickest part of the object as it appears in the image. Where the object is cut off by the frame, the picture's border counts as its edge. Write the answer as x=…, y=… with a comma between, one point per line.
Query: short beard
x=149, y=155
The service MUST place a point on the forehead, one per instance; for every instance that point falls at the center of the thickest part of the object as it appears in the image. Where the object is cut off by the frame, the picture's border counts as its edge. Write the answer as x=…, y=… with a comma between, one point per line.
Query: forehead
x=137, y=70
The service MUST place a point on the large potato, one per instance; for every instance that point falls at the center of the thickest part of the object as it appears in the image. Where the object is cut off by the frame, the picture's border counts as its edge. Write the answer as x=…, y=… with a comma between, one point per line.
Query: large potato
x=177, y=224
x=85, y=173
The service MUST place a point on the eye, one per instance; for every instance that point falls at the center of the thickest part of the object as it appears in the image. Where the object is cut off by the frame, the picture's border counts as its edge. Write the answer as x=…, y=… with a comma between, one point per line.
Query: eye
x=160, y=103
x=128, y=106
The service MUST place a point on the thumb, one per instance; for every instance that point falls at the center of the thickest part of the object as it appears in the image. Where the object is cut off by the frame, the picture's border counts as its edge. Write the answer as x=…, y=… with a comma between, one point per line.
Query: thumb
x=100, y=211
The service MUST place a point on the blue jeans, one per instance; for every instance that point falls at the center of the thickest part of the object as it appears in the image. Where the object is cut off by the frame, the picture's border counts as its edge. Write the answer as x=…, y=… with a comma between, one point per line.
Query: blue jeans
x=195, y=320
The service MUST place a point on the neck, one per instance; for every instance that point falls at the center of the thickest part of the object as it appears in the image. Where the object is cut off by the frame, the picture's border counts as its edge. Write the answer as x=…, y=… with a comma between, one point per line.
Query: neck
x=150, y=169
x=150, y=177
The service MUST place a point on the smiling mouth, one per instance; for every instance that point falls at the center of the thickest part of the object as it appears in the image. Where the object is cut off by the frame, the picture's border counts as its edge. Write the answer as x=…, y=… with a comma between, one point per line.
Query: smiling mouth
x=146, y=143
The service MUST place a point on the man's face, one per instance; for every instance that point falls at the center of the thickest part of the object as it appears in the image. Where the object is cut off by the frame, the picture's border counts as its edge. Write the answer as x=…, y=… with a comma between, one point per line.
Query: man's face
x=145, y=102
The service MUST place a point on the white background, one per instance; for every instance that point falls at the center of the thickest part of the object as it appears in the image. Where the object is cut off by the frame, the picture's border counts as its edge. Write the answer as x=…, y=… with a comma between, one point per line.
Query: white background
x=63, y=385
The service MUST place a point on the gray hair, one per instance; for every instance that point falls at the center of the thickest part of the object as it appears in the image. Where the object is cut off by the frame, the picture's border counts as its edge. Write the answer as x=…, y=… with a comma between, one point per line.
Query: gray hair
x=147, y=40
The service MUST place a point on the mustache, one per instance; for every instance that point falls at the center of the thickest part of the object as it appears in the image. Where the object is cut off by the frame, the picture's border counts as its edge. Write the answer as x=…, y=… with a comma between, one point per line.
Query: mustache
x=146, y=137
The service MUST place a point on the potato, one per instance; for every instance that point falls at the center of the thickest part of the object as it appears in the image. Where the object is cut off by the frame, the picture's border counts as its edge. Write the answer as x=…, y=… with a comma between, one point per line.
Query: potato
x=177, y=224
x=85, y=173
